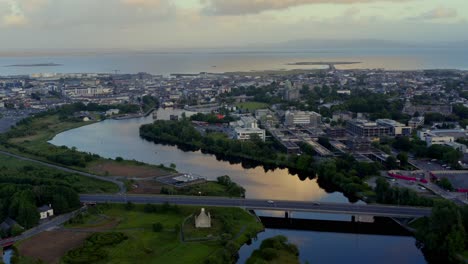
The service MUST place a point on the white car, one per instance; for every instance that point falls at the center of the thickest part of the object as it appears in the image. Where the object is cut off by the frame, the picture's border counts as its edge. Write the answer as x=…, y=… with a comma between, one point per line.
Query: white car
x=270, y=201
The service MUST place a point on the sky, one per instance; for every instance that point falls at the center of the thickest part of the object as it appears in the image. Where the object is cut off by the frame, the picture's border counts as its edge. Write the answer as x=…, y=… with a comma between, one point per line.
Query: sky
x=174, y=24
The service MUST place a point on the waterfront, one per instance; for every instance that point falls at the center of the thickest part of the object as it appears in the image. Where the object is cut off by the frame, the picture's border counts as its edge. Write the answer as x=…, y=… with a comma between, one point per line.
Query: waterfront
x=120, y=138
x=218, y=62
x=113, y=138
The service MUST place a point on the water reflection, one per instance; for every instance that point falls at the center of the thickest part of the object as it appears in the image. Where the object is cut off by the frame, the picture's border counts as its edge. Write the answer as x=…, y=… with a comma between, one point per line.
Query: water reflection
x=114, y=138
x=318, y=247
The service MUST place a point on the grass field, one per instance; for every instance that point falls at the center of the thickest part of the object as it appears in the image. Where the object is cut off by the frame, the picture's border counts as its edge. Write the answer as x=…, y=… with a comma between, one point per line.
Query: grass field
x=251, y=106
x=80, y=183
x=166, y=246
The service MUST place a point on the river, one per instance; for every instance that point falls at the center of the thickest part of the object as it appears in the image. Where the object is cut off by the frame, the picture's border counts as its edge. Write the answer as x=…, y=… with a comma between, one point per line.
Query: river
x=114, y=138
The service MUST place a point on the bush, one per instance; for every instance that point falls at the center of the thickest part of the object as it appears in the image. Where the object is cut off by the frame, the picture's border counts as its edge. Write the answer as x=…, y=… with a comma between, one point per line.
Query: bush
x=158, y=227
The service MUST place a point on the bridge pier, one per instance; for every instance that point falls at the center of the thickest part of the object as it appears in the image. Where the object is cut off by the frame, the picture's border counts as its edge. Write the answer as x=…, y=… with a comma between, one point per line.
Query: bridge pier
x=288, y=214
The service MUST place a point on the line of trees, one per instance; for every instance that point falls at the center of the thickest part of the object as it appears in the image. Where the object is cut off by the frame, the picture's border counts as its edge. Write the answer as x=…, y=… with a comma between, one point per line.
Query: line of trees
x=183, y=134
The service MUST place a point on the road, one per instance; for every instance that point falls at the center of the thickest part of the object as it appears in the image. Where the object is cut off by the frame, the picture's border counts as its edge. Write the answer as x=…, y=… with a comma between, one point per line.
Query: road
x=121, y=185
x=44, y=226
x=254, y=204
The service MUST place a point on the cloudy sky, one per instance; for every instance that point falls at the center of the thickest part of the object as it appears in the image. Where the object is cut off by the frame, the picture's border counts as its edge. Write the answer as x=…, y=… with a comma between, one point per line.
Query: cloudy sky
x=159, y=24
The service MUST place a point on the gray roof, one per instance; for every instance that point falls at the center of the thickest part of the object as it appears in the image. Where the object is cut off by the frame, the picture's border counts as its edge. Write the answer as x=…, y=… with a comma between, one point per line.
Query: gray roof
x=7, y=224
x=44, y=208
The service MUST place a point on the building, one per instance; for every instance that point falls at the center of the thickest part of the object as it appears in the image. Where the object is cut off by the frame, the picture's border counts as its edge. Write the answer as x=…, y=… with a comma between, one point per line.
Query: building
x=203, y=220
x=358, y=144
x=112, y=112
x=246, y=133
x=425, y=109
x=441, y=136
x=364, y=128
x=416, y=122
x=246, y=127
x=342, y=115
x=293, y=118
x=335, y=132
x=45, y=211
x=396, y=128
x=7, y=225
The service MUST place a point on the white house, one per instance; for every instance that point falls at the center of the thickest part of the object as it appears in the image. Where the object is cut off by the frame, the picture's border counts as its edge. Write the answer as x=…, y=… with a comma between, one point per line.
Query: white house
x=203, y=220
x=45, y=211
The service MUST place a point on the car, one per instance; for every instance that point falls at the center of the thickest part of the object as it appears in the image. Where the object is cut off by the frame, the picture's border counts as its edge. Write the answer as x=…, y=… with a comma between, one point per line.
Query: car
x=422, y=188
x=270, y=201
x=316, y=203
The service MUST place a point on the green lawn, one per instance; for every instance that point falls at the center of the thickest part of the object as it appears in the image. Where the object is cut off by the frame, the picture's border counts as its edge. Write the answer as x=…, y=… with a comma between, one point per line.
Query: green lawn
x=30, y=170
x=251, y=106
x=146, y=246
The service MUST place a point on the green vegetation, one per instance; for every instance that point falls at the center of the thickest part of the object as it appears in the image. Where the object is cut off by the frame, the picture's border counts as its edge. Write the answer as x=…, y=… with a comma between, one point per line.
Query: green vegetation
x=386, y=194
x=224, y=186
x=24, y=186
x=251, y=106
x=164, y=246
x=443, y=235
x=445, y=184
x=149, y=102
x=94, y=247
x=347, y=175
x=182, y=133
x=31, y=135
x=420, y=150
x=275, y=250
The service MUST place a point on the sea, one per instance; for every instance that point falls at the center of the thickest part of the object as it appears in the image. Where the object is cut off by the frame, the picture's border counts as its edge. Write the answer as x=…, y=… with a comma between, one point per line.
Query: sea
x=215, y=61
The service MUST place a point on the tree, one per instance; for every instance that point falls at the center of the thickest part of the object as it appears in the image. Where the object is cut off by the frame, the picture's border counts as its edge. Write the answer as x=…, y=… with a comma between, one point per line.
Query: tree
x=446, y=184
x=391, y=163
x=403, y=158
x=129, y=206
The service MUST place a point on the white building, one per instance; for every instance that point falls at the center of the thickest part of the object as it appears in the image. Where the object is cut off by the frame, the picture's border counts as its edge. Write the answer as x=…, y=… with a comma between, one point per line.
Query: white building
x=246, y=127
x=45, y=211
x=292, y=118
x=246, y=133
x=203, y=220
x=112, y=112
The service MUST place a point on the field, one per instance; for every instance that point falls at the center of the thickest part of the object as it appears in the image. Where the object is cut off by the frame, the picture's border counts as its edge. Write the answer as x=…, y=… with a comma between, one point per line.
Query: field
x=51, y=246
x=126, y=169
x=251, y=106
x=143, y=243
x=79, y=183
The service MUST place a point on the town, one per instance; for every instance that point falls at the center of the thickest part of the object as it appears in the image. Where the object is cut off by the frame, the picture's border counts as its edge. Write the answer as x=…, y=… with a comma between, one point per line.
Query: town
x=409, y=126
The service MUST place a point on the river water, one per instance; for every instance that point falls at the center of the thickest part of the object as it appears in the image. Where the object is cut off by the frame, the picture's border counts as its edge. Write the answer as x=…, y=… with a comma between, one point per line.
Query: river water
x=114, y=138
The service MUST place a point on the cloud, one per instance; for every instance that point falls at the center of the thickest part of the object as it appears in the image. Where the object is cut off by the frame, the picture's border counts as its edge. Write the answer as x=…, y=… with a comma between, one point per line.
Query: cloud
x=142, y=3
x=245, y=7
x=437, y=13
x=14, y=20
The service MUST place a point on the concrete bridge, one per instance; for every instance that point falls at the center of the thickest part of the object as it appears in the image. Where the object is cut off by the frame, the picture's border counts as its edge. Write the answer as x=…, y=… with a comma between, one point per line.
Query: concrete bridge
x=257, y=204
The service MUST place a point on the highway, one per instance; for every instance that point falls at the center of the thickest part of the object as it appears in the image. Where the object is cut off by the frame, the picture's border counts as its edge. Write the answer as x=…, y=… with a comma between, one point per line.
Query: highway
x=256, y=204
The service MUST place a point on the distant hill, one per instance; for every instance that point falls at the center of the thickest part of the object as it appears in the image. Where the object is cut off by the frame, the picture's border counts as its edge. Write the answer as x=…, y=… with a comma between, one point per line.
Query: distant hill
x=328, y=44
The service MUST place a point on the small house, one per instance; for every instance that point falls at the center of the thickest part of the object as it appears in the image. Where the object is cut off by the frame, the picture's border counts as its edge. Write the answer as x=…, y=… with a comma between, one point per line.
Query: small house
x=45, y=211
x=203, y=220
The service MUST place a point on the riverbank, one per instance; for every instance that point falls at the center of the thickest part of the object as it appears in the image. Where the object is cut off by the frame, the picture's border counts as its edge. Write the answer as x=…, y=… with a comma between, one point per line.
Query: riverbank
x=31, y=138
x=231, y=229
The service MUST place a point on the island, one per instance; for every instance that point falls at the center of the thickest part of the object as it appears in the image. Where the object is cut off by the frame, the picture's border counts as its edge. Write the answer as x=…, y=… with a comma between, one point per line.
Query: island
x=35, y=65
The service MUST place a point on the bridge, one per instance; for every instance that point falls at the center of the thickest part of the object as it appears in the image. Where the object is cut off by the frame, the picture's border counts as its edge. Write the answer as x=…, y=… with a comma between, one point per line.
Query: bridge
x=258, y=204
